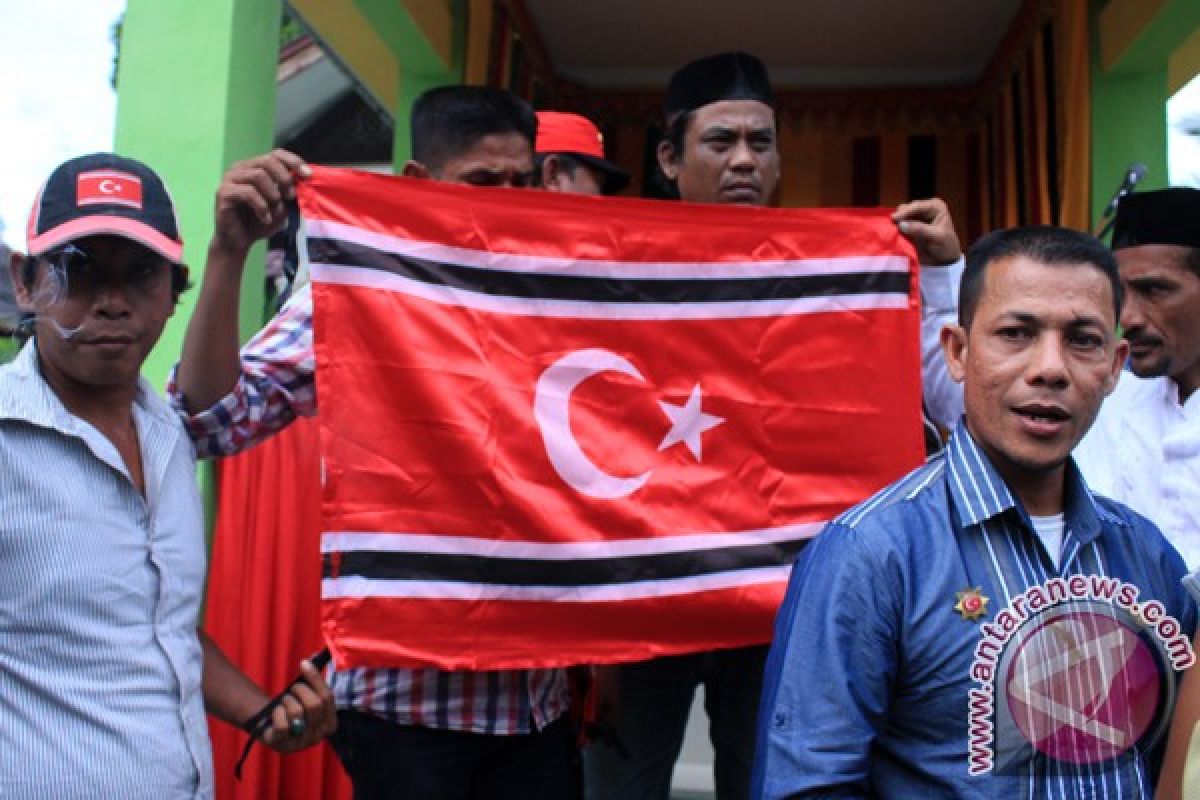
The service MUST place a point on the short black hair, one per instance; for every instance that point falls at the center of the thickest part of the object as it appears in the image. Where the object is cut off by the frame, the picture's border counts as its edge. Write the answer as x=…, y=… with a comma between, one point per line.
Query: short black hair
x=673, y=137
x=1045, y=244
x=1192, y=260
x=676, y=132
x=449, y=120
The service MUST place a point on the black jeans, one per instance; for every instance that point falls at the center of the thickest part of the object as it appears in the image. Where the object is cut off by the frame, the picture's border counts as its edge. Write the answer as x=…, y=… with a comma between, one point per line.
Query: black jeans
x=386, y=761
x=652, y=714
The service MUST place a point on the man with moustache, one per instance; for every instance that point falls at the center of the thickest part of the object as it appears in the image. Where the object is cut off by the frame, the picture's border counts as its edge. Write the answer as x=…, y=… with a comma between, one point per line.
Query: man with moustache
x=1145, y=447
x=721, y=146
x=422, y=734
x=104, y=678
x=987, y=627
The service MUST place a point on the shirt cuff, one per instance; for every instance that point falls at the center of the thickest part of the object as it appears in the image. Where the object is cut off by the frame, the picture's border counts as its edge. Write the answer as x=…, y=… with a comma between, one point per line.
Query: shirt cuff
x=939, y=285
x=209, y=429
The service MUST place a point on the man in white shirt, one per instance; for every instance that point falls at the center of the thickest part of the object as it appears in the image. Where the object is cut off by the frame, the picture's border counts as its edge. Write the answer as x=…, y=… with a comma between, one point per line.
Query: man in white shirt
x=1144, y=449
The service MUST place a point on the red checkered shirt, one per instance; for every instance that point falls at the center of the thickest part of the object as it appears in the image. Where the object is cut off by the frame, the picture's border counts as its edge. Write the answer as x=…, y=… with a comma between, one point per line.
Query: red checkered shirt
x=276, y=385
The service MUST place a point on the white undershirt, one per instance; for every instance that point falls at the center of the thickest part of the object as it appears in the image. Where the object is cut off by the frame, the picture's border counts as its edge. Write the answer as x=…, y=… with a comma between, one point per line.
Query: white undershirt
x=1050, y=530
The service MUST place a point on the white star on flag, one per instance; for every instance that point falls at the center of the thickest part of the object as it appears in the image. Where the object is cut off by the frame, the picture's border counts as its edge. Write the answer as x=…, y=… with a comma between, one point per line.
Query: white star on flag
x=688, y=422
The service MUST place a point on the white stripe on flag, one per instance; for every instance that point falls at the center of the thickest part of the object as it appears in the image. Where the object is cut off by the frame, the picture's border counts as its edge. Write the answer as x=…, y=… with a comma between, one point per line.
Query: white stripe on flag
x=351, y=542
x=589, y=309
x=594, y=268
x=354, y=586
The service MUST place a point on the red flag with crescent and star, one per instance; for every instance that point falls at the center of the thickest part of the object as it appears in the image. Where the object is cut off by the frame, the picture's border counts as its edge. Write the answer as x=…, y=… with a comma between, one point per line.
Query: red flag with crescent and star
x=561, y=429
x=108, y=186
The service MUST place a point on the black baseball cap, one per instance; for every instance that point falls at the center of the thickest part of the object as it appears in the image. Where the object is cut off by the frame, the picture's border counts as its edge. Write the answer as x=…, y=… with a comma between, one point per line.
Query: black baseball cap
x=104, y=193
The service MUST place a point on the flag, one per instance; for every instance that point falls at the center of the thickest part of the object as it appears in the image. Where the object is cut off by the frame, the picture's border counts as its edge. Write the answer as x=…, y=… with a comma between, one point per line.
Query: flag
x=100, y=186
x=561, y=429
x=263, y=605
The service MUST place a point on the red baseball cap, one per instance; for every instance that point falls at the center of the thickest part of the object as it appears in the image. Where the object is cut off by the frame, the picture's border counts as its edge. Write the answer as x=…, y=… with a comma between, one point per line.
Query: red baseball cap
x=104, y=193
x=560, y=132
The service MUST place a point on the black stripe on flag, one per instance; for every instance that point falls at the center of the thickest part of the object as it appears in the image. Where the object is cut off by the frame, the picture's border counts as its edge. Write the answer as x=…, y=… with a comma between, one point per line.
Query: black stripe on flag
x=416, y=566
x=587, y=288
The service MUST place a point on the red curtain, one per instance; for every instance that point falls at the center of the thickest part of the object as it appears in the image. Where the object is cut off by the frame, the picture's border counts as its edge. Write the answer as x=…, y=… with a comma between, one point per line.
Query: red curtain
x=263, y=604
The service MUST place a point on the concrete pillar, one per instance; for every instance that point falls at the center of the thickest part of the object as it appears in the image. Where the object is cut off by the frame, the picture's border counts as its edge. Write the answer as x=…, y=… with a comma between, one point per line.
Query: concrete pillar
x=195, y=93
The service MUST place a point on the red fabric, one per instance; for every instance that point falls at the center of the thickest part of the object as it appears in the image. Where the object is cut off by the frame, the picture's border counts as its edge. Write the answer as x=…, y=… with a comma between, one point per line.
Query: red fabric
x=428, y=420
x=263, y=605
x=108, y=186
x=555, y=224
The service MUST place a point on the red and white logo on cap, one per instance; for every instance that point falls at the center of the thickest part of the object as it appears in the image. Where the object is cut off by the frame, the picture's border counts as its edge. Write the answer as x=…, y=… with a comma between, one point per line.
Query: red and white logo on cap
x=108, y=186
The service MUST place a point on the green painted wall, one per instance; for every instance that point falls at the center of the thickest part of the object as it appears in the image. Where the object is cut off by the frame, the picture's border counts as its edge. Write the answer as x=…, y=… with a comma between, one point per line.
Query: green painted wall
x=1171, y=26
x=8, y=348
x=1129, y=124
x=421, y=67
x=1129, y=100
x=195, y=93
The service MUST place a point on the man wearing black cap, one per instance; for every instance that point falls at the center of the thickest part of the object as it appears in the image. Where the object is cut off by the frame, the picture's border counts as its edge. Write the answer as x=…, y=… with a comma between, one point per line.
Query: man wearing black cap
x=1144, y=449
x=569, y=155
x=721, y=146
x=105, y=681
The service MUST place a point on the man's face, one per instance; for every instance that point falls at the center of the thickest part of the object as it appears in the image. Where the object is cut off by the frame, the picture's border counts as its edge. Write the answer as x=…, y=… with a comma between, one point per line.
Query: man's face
x=498, y=159
x=730, y=154
x=558, y=177
x=95, y=332
x=1039, y=357
x=1161, y=314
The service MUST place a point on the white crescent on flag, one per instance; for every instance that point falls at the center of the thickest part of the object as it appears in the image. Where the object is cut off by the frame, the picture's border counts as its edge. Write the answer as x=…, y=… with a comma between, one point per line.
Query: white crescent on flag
x=552, y=410
x=489, y=506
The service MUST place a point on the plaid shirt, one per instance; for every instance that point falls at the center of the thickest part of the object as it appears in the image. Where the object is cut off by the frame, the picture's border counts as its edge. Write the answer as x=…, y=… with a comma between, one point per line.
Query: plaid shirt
x=276, y=385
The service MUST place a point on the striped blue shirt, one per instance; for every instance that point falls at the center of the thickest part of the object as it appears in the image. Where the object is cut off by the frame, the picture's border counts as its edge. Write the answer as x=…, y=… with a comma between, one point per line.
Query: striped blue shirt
x=929, y=647
x=100, y=588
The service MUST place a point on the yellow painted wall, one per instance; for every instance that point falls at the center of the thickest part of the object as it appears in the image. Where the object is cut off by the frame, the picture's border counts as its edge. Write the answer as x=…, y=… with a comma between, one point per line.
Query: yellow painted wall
x=479, y=40
x=341, y=26
x=1184, y=63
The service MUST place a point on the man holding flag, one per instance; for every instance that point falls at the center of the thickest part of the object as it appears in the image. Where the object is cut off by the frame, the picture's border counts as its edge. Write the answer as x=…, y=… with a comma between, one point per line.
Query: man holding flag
x=721, y=146
x=425, y=733
x=735, y=162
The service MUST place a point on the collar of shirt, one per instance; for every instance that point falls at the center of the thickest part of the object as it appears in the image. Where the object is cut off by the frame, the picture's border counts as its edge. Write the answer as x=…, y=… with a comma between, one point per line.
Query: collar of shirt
x=1169, y=398
x=25, y=395
x=979, y=493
